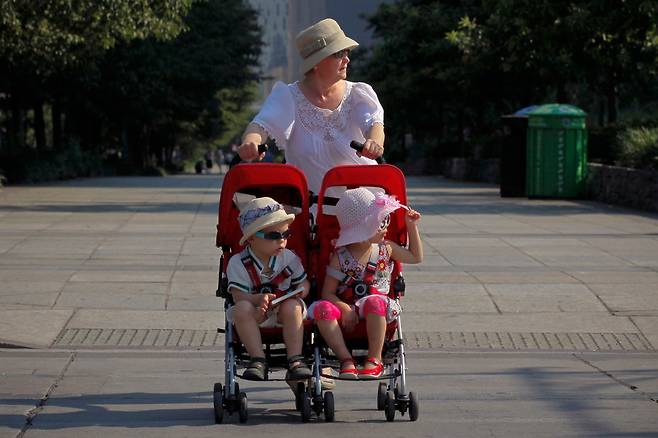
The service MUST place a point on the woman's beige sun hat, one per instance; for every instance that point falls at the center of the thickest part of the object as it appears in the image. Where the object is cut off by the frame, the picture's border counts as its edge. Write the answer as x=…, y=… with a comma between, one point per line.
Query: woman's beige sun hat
x=320, y=40
x=260, y=213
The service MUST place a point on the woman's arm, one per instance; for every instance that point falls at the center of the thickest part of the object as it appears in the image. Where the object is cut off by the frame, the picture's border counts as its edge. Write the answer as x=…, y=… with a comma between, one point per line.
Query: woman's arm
x=252, y=137
x=373, y=147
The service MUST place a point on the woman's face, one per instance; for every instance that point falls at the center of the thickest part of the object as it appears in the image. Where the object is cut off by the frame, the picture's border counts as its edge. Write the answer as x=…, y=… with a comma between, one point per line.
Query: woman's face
x=334, y=66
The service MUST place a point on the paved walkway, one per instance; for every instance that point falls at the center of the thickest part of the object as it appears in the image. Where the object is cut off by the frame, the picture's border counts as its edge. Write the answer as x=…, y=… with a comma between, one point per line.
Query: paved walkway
x=131, y=262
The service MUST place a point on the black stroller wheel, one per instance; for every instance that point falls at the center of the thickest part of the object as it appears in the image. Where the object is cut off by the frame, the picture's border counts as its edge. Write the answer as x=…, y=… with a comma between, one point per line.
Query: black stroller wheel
x=381, y=396
x=413, y=406
x=299, y=396
x=218, y=403
x=389, y=409
x=329, y=412
x=242, y=407
x=306, y=409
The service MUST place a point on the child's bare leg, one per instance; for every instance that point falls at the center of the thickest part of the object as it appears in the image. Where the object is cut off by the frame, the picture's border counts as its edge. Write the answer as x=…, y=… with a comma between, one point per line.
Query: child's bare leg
x=246, y=323
x=333, y=336
x=290, y=316
x=376, y=326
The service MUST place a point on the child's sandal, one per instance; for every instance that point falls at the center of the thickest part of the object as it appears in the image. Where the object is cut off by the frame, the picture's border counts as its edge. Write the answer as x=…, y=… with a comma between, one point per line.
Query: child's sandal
x=348, y=369
x=256, y=370
x=297, y=369
x=374, y=372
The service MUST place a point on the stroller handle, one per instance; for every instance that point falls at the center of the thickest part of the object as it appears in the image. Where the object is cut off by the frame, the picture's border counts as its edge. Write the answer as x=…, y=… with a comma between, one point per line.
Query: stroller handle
x=357, y=146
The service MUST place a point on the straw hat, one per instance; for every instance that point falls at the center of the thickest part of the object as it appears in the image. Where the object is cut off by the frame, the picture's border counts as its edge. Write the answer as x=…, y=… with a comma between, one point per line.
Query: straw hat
x=260, y=213
x=320, y=40
x=360, y=212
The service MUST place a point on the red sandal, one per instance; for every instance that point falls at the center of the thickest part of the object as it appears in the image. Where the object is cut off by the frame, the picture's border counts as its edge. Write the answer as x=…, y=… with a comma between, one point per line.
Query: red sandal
x=372, y=373
x=348, y=369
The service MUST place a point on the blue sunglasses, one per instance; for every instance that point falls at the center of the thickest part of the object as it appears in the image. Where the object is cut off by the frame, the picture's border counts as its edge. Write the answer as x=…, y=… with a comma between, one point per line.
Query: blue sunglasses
x=273, y=235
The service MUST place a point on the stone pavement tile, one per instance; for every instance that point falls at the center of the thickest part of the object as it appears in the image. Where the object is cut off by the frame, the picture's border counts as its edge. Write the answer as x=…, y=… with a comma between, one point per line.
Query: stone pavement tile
x=26, y=286
x=649, y=326
x=194, y=289
x=524, y=277
x=139, y=246
x=24, y=382
x=547, y=241
x=114, y=261
x=616, y=277
x=122, y=275
x=529, y=298
x=574, y=257
x=549, y=322
x=154, y=228
x=647, y=259
x=33, y=328
x=643, y=374
x=113, y=295
x=45, y=275
x=56, y=247
x=8, y=243
x=145, y=319
x=466, y=242
x=623, y=244
x=195, y=276
x=200, y=245
x=196, y=303
x=39, y=262
x=628, y=297
x=91, y=227
x=412, y=276
x=452, y=298
x=487, y=256
x=195, y=261
x=29, y=299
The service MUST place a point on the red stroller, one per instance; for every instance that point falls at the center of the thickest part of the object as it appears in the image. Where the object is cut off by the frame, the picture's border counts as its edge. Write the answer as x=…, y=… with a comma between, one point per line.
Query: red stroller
x=287, y=185
x=392, y=396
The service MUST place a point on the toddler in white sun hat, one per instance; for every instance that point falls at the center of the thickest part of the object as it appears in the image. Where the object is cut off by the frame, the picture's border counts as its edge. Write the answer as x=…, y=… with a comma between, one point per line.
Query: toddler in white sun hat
x=359, y=276
x=263, y=270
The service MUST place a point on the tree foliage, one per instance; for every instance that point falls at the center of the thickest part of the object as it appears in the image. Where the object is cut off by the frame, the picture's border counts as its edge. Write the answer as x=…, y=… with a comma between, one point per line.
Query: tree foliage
x=137, y=76
x=447, y=70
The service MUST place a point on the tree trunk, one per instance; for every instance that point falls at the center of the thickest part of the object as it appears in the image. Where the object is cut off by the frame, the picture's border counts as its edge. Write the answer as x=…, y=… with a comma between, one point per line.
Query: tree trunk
x=612, y=104
x=39, y=125
x=17, y=125
x=57, y=124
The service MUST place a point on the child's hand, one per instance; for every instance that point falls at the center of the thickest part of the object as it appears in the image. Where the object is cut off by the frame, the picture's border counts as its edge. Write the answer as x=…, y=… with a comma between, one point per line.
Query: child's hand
x=263, y=302
x=411, y=217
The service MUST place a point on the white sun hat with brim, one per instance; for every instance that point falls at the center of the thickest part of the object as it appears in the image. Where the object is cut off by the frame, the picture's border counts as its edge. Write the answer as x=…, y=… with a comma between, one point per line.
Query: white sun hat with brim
x=260, y=213
x=360, y=212
x=320, y=40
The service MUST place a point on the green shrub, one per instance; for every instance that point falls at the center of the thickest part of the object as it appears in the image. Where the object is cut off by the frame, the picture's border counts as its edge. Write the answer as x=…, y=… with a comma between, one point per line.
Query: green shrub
x=639, y=148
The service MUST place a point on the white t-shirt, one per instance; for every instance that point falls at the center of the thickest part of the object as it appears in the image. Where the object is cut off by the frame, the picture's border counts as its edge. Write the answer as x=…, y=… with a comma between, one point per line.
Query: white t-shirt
x=238, y=277
x=316, y=139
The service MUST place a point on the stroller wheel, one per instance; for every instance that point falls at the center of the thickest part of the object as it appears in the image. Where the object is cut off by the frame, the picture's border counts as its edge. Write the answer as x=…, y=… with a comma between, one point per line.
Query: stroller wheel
x=413, y=406
x=329, y=413
x=389, y=408
x=306, y=408
x=299, y=396
x=381, y=396
x=218, y=403
x=242, y=407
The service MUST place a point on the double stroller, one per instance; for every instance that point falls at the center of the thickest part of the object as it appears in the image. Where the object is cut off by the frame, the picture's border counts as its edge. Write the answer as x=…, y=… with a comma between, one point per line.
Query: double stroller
x=312, y=240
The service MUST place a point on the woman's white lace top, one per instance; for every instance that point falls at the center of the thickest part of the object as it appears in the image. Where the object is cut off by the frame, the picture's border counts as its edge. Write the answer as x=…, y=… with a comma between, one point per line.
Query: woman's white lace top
x=316, y=139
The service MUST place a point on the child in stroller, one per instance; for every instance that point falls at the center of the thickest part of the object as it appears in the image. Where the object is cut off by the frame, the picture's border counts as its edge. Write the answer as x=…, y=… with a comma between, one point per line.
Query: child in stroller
x=262, y=269
x=358, y=277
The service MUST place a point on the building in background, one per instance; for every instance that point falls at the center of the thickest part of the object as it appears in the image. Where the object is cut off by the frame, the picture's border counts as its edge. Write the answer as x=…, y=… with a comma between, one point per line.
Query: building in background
x=282, y=20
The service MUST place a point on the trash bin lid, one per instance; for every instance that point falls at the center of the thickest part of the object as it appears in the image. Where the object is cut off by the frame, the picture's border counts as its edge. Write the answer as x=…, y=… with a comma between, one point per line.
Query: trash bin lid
x=557, y=110
x=525, y=111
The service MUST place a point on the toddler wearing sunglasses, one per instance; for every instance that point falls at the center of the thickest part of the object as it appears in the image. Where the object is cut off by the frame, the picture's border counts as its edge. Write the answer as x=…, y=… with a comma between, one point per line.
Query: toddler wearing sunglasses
x=359, y=276
x=264, y=270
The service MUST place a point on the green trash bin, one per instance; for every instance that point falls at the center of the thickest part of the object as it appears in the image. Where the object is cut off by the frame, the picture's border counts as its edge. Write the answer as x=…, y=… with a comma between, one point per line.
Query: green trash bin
x=556, y=165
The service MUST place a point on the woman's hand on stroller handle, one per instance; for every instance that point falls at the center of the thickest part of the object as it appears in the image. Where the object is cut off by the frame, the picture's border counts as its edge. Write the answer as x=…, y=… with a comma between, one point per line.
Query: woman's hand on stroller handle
x=369, y=149
x=250, y=151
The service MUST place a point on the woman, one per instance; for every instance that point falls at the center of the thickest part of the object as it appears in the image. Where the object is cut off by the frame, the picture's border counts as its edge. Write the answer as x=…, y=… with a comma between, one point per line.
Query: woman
x=314, y=120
